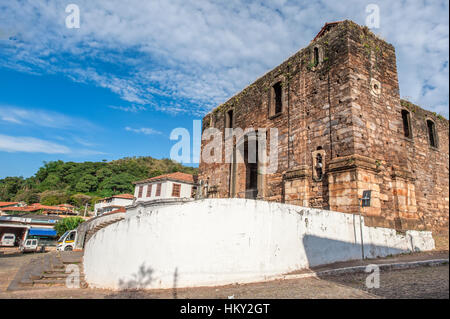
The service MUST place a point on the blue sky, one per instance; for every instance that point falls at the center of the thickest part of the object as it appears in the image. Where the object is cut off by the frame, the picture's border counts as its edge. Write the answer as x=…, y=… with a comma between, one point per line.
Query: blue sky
x=135, y=70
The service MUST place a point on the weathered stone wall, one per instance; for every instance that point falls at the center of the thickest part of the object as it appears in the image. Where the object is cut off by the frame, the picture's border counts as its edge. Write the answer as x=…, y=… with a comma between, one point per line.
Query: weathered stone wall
x=347, y=108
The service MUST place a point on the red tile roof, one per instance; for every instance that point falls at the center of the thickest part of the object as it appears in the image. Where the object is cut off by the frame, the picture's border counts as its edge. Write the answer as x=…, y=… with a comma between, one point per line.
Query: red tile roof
x=124, y=196
x=66, y=205
x=177, y=176
x=3, y=204
x=62, y=209
x=21, y=209
x=35, y=207
x=120, y=210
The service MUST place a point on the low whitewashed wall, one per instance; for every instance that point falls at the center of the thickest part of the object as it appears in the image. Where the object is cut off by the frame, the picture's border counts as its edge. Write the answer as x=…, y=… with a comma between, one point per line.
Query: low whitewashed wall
x=90, y=224
x=222, y=241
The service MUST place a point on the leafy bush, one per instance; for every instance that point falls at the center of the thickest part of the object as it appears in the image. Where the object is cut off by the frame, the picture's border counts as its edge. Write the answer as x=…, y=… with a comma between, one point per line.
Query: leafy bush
x=66, y=224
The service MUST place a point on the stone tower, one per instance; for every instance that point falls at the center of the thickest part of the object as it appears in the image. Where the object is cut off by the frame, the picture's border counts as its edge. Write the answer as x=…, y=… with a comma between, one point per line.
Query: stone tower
x=342, y=129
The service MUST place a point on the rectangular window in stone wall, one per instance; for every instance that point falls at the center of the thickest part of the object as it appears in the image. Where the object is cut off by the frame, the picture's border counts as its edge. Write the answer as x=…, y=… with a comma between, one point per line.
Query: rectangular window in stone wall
x=229, y=121
x=406, y=124
x=141, y=190
x=158, y=189
x=149, y=190
x=276, y=103
x=432, y=133
x=176, y=188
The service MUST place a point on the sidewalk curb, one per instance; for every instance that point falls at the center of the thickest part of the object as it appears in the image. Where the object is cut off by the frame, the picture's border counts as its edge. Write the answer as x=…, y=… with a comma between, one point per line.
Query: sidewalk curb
x=362, y=269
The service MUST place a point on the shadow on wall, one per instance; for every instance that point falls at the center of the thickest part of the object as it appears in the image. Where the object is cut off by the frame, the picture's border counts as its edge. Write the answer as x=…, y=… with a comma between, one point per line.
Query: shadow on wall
x=322, y=251
x=142, y=280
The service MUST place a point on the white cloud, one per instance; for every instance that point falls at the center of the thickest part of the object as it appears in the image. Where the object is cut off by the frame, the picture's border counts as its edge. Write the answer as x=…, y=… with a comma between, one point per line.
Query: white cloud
x=131, y=109
x=67, y=129
x=41, y=118
x=30, y=145
x=180, y=56
x=142, y=130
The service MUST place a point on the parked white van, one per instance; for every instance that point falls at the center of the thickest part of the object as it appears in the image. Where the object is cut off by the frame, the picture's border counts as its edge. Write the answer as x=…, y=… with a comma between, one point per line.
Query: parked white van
x=30, y=245
x=8, y=240
x=67, y=241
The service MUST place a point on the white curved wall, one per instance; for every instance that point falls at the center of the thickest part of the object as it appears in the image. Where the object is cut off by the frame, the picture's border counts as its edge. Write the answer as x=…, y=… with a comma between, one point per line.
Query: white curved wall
x=221, y=241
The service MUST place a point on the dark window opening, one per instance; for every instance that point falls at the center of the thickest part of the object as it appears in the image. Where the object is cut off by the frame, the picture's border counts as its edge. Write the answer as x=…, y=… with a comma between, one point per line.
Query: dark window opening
x=141, y=190
x=406, y=124
x=229, y=119
x=316, y=56
x=251, y=163
x=278, y=95
x=432, y=133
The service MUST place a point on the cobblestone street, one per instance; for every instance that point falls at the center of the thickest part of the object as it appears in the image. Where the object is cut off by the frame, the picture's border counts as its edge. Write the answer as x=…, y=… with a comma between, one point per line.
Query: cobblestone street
x=417, y=283
x=422, y=282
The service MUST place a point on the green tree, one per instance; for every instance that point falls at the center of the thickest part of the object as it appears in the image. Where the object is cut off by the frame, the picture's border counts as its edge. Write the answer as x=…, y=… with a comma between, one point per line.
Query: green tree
x=89, y=178
x=79, y=200
x=29, y=196
x=121, y=183
x=66, y=224
x=52, y=198
x=87, y=183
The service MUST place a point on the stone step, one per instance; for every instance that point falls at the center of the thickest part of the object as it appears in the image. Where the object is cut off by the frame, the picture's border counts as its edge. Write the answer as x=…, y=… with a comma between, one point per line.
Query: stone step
x=36, y=271
x=26, y=282
x=55, y=282
x=55, y=275
x=58, y=267
x=56, y=270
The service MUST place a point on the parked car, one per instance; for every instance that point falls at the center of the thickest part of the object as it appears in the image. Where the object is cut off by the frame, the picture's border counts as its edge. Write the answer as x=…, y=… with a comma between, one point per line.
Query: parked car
x=29, y=245
x=8, y=240
x=67, y=241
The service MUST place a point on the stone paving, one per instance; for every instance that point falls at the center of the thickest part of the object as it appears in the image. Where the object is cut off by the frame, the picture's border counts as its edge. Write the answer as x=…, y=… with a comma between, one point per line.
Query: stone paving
x=417, y=283
x=10, y=264
x=422, y=282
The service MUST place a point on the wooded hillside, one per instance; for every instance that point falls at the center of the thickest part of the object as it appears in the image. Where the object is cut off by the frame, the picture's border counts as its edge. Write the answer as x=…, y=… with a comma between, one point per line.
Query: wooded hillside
x=80, y=183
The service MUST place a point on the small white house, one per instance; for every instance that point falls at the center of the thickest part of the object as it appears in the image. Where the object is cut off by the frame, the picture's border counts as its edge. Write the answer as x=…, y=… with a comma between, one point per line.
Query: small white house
x=109, y=204
x=168, y=186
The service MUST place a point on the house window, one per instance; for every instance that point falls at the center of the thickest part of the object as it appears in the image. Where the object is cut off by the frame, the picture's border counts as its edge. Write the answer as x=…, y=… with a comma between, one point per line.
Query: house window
x=149, y=190
x=141, y=190
x=432, y=133
x=316, y=56
x=276, y=105
x=176, y=188
x=406, y=124
x=158, y=189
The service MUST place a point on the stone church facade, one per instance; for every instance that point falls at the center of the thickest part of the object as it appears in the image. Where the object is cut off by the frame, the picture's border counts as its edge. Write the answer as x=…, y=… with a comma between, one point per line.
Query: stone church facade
x=342, y=129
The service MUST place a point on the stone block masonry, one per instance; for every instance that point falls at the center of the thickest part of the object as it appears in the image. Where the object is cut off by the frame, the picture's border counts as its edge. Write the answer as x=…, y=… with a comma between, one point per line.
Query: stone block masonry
x=342, y=129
